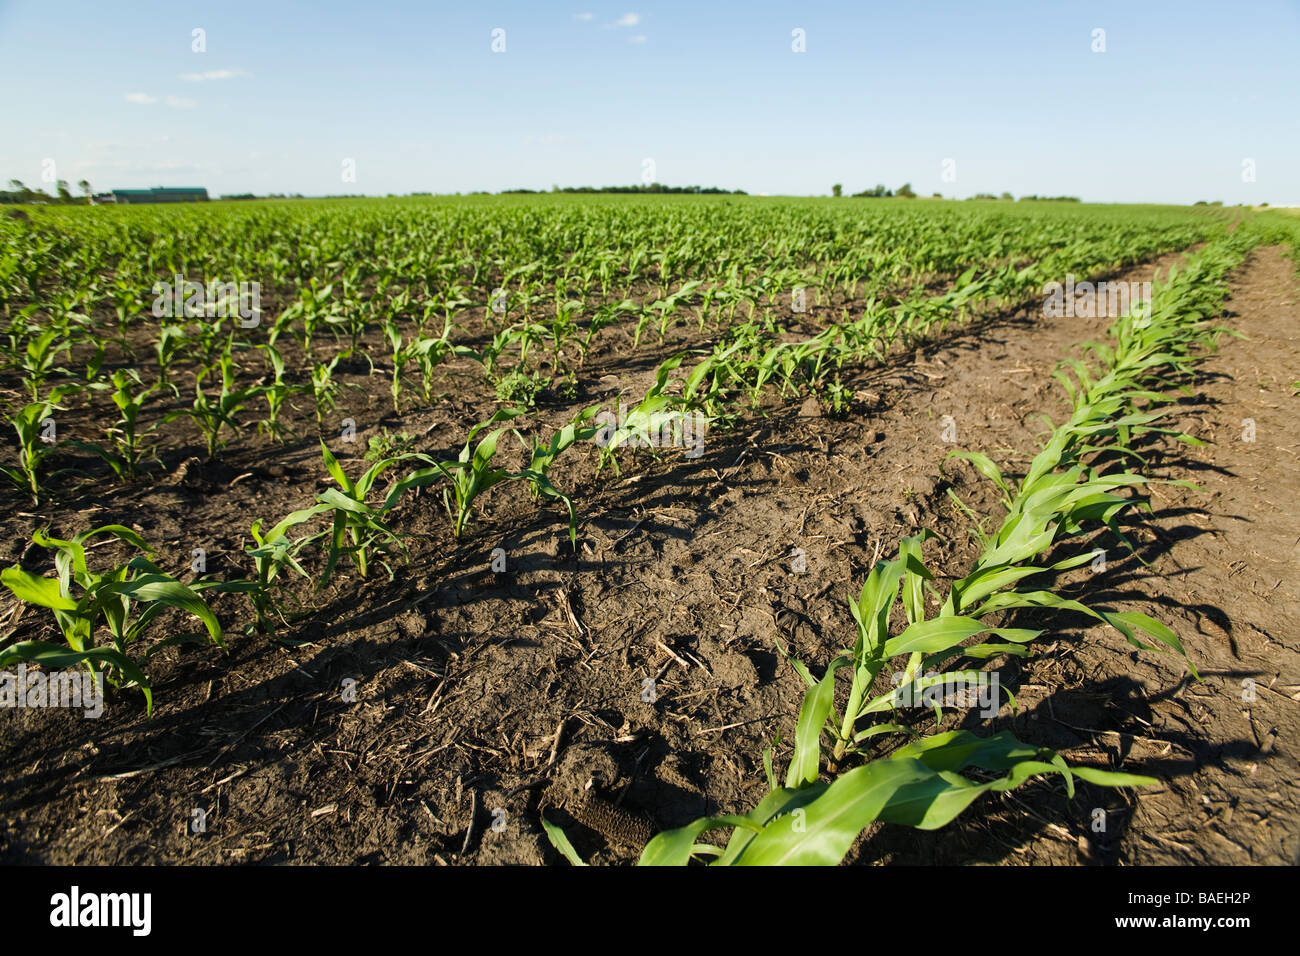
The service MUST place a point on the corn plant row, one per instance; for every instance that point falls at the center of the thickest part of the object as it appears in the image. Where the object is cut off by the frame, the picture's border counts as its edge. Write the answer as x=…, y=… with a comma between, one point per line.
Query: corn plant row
x=1074, y=484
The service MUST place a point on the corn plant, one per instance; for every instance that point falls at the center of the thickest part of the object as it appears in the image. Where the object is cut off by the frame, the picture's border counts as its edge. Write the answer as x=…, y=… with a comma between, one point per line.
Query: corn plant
x=604, y=316
x=273, y=553
x=82, y=600
x=426, y=351
x=543, y=456
x=708, y=386
x=211, y=339
x=316, y=307
x=127, y=452
x=650, y=419
x=171, y=340
x=472, y=474
x=357, y=526
x=401, y=356
x=277, y=392
x=429, y=353
x=324, y=388
x=126, y=305
x=667, y=307
x=213, y=413
x=94, y=364
x=30, y=423
x=562, y=329
x=355, y=317
x=39, y=357
x=920, y=784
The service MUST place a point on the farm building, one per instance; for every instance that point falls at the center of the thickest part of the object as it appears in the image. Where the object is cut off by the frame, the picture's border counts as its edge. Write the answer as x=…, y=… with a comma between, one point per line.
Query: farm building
x=179, y=194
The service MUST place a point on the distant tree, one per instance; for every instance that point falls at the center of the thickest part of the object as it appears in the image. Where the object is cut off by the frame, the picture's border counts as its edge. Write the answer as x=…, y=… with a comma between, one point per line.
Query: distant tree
x=905, y=191
x=65, y=194
x=937, y=196
x=1007, y=197
x=84, y=186
x=837, y=190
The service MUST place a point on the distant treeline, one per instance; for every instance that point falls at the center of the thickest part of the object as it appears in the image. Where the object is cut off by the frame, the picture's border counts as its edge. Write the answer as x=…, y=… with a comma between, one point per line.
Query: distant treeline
x=1007, y=197
x=880, y=192
x=18, y=193
x=640, y=188
x=905, y=191
x=239, y=196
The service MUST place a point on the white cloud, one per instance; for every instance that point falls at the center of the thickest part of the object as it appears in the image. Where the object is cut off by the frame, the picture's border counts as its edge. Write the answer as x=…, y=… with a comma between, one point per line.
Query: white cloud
x=143, y=98
x=628, y=20
x=212, y=75
x=583, y=16
x=180, y=103
x=639, y=38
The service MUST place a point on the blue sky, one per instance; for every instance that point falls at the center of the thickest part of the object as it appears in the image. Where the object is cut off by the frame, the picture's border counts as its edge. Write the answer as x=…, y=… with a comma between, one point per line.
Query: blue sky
x=714, y=94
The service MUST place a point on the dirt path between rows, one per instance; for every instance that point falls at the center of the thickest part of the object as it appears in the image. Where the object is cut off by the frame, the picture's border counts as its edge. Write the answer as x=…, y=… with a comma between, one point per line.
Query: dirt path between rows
x=647, y=665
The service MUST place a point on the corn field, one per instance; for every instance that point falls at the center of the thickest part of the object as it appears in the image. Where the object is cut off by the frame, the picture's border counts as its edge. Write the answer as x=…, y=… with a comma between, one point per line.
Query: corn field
x=552, y=511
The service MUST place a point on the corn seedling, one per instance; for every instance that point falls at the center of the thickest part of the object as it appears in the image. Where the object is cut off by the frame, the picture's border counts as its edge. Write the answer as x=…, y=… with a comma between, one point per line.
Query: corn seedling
x=648, y=421
x=324, y=388
x=127, y=452
x=811, y=822
x=357, y=528
x=667, y=307
x=921, y=785
x=171, y=340
x=39, y=357
x=81, y=600
x=472, y=475
x=274, y=552
x=126, y=305
x=276, y=393
x=213, y=413
x=34, y=427
x=543, y=456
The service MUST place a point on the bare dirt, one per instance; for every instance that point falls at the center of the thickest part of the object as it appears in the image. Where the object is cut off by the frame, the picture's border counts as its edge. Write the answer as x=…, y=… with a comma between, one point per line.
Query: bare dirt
x=483, y=699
